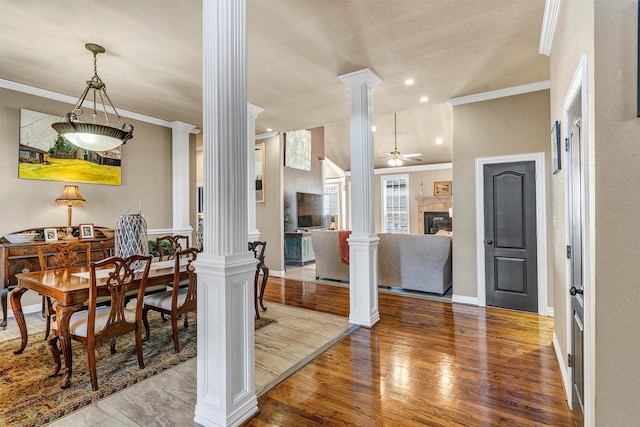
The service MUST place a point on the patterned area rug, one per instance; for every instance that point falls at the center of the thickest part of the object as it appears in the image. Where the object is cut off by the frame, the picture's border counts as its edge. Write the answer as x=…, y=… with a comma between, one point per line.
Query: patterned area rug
x=31, y=398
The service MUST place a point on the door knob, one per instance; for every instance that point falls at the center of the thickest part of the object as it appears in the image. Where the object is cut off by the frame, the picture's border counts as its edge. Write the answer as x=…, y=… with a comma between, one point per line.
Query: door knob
x=573, y=291
x=489, y=242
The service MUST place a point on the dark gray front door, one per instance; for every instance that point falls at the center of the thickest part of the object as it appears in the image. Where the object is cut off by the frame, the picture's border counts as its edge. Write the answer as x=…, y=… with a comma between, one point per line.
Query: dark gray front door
x=575, y=257
x=511, y=265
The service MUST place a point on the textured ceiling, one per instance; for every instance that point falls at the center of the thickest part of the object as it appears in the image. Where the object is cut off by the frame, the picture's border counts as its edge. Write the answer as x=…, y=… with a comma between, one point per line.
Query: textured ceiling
x=296, y=50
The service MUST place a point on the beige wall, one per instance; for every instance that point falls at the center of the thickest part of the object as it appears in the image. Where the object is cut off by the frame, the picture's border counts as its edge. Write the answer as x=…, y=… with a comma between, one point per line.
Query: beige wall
x=269, y=213
x=512, y=125
x=573, y=38
x=606, y=31
x=146, y=175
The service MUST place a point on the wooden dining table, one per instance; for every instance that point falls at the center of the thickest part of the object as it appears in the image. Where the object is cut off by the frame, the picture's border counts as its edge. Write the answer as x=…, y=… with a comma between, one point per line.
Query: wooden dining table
x=70, y=288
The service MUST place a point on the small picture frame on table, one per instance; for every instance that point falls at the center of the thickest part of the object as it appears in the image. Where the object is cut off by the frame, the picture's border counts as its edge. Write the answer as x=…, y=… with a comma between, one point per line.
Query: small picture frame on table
x=50, y=235
x=556, y=152
x=86, y=231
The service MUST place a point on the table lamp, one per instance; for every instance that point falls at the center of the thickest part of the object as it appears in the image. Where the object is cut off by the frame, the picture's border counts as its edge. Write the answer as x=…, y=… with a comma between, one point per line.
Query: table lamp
x=71, y=197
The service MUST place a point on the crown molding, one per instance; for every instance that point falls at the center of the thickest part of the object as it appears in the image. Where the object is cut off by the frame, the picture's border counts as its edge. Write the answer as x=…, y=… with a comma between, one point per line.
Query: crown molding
x=500, y=93
x=55, y=96
x=549, y=21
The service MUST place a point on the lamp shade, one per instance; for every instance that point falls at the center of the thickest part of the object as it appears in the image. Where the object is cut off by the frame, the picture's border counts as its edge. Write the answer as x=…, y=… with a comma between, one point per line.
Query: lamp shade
x=92, y=136
x=71, y=196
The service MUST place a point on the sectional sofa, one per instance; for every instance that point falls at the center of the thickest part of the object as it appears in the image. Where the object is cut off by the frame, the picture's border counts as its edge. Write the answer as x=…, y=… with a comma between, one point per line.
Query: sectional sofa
x=420, y=262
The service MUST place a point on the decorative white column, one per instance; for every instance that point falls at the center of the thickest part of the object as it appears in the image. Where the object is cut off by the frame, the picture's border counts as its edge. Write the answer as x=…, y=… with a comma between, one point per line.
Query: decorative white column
x=363, y=243
x=180, y=171
x=253, y=111
x=226, y=354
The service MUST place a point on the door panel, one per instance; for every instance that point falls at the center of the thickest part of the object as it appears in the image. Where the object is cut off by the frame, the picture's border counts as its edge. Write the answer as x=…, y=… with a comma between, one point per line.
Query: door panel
x=510, y=235
x=576, y=286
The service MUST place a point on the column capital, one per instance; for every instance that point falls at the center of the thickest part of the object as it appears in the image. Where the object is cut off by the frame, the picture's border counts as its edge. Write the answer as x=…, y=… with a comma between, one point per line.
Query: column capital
x=185, y=127
x=253, y=110
x=366, y=76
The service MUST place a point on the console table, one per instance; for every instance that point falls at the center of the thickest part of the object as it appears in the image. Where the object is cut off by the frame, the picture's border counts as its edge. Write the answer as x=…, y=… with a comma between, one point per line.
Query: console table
x=23, y=258
x=298, y=249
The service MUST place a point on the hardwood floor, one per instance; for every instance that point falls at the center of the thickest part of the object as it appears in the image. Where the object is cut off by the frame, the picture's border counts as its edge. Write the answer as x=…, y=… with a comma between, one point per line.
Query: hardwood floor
x=425, y=363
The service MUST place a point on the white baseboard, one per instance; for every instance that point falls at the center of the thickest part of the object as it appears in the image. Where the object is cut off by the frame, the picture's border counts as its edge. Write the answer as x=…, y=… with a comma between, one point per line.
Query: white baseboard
x=562, y=365
x=277, y=273
x=550, y=312
x=461, y=299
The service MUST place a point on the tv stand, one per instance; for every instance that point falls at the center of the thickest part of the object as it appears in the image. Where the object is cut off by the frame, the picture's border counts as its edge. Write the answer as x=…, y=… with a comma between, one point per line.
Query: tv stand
x=298, y=249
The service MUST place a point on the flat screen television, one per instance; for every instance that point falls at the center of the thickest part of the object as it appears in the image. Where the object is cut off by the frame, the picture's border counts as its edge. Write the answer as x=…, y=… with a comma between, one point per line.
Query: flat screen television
x=310, y=210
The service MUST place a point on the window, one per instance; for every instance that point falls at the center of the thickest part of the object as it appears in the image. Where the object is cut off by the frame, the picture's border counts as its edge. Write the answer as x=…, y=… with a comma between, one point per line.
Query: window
x=395, y=204
x=331, y=203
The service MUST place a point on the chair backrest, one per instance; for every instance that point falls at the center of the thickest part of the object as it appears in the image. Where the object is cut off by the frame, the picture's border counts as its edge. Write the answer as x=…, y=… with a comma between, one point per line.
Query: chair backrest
x=108, y=247
x=189, y=255
x=64, y=255
x=120, y=275
x=258, y=249
x=168, y=246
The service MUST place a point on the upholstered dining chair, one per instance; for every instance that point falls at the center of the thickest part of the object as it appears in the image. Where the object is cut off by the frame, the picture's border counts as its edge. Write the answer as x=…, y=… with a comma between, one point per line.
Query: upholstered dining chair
x=99, y=323
x=258, y=249
x=177, y=301
x=60, y=255
x=168, y=246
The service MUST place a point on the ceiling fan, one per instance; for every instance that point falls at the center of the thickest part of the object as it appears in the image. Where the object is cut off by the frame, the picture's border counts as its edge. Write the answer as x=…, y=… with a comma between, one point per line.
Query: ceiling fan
x=396, y=158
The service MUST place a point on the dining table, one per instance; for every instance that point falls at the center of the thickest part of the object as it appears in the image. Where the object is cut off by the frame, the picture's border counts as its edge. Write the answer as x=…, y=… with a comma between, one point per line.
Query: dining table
x=69, y=287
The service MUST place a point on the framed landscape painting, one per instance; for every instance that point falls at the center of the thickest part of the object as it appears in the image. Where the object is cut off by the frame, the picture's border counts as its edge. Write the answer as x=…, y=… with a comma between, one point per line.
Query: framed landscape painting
x=44, y=155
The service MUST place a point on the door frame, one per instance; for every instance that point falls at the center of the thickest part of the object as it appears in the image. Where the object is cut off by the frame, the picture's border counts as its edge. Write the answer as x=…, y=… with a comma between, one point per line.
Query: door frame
x=541, y=225
x=579, y=85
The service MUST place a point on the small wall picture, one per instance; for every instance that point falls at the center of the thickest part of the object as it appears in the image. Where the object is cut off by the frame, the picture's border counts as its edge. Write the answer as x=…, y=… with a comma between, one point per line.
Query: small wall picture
x=50, y=235
x=442, y=188
x=86, y=231
x=555, y=148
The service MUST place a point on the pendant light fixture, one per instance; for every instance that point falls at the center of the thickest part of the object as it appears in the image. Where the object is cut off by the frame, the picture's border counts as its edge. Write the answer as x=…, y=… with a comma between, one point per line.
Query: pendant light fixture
x=396, y=156
x=92, y=135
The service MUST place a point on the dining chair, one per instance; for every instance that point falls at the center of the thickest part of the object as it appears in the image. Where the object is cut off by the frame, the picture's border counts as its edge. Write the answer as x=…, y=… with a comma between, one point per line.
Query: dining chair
x=258, y=249
x=179, y=301
x=99, y=323
x=168, y=246
x=60, y=255
x=108, y=247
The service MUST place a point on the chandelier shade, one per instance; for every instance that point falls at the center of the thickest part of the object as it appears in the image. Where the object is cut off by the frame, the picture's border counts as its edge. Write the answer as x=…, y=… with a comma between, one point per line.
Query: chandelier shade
x=93, y=135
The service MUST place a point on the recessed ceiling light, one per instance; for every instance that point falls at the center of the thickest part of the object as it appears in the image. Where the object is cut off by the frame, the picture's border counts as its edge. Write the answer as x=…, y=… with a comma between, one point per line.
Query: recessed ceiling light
x=269, y=130
x=438, y=140
x=373, y=128
x=424, y=98
x=409, y=82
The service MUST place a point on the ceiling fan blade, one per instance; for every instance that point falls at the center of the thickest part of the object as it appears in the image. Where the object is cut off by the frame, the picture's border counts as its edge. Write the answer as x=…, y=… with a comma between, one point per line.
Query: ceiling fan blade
x=412, y=155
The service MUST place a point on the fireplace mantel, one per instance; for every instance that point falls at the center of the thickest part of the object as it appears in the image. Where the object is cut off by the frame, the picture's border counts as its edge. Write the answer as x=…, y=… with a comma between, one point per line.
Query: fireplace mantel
x=431, y=204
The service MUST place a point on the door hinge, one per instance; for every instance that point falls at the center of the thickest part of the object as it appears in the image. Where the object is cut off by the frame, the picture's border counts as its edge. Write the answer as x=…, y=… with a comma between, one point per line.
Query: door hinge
x=568, y=252
x=566, y=144
x=570, y=360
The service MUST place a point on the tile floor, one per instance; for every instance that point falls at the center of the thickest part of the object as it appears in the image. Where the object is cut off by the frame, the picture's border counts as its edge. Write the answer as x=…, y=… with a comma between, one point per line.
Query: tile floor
x=169, y=398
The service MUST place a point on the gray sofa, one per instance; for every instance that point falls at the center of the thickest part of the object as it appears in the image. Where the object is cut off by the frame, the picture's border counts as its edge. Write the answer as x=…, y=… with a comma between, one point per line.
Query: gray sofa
x=420, y=262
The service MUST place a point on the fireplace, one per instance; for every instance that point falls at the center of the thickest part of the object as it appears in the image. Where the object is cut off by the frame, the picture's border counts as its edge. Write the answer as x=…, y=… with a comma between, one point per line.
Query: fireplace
x=436, y=221
x=438, y=206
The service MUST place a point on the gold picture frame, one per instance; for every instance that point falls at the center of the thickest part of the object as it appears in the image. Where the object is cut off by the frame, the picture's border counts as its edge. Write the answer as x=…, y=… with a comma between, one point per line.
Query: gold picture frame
x=442, y=188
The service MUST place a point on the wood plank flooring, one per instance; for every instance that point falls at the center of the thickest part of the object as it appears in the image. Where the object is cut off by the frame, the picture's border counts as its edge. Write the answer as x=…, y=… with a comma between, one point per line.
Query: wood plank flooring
x=425, y=363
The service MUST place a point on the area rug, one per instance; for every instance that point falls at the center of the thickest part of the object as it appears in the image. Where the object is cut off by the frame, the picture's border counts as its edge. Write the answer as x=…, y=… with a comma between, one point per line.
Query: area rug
x=31, y=398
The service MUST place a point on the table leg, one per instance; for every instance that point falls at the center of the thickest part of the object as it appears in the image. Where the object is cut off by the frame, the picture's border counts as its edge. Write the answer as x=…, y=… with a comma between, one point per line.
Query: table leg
x=3, y=301
x=16, y=306
x=63, y=316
